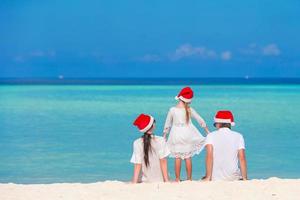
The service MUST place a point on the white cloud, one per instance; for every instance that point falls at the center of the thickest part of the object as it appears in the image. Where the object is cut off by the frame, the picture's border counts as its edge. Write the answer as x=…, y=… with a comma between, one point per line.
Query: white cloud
x=226, y=55
x=271, y=50
x=187, y=50
x=267, y=50
x=34, y=54
x=150, y=58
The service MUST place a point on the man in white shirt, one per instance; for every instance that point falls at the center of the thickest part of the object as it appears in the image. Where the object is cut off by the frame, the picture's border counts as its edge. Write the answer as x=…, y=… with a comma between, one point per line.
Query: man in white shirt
x=225, y=151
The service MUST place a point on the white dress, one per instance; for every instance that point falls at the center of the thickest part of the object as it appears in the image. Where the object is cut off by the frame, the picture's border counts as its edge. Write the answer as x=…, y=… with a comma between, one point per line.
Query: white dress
x=184, y=139
x=160, y=150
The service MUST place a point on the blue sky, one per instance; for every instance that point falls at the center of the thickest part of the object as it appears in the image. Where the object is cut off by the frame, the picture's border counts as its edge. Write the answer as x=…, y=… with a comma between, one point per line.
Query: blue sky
x=136, y=38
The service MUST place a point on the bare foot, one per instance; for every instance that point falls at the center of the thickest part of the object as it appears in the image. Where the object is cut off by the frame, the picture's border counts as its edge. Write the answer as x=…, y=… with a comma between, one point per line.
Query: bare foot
x=205, y=179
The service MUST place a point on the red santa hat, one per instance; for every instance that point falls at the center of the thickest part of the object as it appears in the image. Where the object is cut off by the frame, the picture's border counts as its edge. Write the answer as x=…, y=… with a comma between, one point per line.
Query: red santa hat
x=224, y=116
x=144, y=122
x=185, y=95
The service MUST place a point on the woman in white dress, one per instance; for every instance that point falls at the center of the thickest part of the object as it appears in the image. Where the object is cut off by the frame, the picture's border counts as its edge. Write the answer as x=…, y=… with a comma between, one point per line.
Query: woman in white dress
x=149, y=153
x=184, y=140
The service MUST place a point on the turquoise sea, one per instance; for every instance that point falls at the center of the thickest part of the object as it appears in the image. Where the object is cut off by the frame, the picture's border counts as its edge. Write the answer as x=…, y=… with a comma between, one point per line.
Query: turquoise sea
x=84, y=133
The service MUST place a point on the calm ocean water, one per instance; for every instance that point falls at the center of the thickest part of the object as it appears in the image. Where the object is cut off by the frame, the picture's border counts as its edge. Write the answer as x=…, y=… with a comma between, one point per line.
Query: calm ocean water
x=73, y=133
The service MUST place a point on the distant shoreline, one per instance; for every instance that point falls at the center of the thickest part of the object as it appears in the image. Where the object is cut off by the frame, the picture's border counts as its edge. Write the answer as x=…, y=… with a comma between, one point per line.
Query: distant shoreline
x=148, y=81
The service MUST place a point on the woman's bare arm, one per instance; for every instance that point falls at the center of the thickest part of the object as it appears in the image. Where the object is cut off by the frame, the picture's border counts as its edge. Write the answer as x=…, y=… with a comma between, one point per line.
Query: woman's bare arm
x=164, y=169
x=136, y=172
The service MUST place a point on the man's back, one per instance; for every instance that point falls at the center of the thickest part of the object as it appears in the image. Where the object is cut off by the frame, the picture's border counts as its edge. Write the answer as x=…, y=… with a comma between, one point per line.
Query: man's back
x=226, y=144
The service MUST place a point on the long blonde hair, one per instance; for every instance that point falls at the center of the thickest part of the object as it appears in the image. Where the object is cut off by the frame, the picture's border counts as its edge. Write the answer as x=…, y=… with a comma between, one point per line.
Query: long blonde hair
x=187, y=112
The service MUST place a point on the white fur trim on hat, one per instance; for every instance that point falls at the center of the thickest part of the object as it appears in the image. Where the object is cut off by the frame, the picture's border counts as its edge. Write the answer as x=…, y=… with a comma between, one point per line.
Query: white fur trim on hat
x=148, y=126
x=228, y=121
x=183, y=99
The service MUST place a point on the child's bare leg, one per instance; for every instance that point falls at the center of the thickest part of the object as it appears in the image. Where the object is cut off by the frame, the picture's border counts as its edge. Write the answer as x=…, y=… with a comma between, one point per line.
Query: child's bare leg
x=177, y=168
x=188, y=165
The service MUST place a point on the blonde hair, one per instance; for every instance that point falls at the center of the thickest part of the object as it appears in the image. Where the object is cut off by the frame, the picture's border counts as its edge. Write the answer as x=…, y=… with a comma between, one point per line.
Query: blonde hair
x=187, y=112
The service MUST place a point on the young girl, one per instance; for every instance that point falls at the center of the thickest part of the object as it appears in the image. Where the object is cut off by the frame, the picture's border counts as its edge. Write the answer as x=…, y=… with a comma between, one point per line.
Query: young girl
x=149, y=153
x=184, y=140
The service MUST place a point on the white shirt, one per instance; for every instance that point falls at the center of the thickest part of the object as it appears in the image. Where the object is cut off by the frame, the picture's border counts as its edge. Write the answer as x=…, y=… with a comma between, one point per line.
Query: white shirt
x=152, y=173
x=226, y=144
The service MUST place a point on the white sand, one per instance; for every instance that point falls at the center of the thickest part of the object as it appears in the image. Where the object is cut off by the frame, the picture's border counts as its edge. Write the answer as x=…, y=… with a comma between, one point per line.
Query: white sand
x=272, y=188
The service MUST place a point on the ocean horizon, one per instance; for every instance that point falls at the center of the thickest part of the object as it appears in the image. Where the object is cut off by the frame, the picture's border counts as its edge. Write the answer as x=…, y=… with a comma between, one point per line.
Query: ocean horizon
x=148, y=81
x=84, y=133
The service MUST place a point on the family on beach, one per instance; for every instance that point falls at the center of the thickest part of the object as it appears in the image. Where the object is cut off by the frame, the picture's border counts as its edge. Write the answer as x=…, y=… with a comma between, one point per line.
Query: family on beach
x=225, y=149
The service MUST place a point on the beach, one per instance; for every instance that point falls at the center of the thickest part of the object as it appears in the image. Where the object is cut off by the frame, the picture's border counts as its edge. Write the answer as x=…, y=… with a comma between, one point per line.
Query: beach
x=272, y=188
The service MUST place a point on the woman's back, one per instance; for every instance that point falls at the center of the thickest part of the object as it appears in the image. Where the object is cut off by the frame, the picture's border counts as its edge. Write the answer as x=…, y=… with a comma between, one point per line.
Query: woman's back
x=159, y=150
